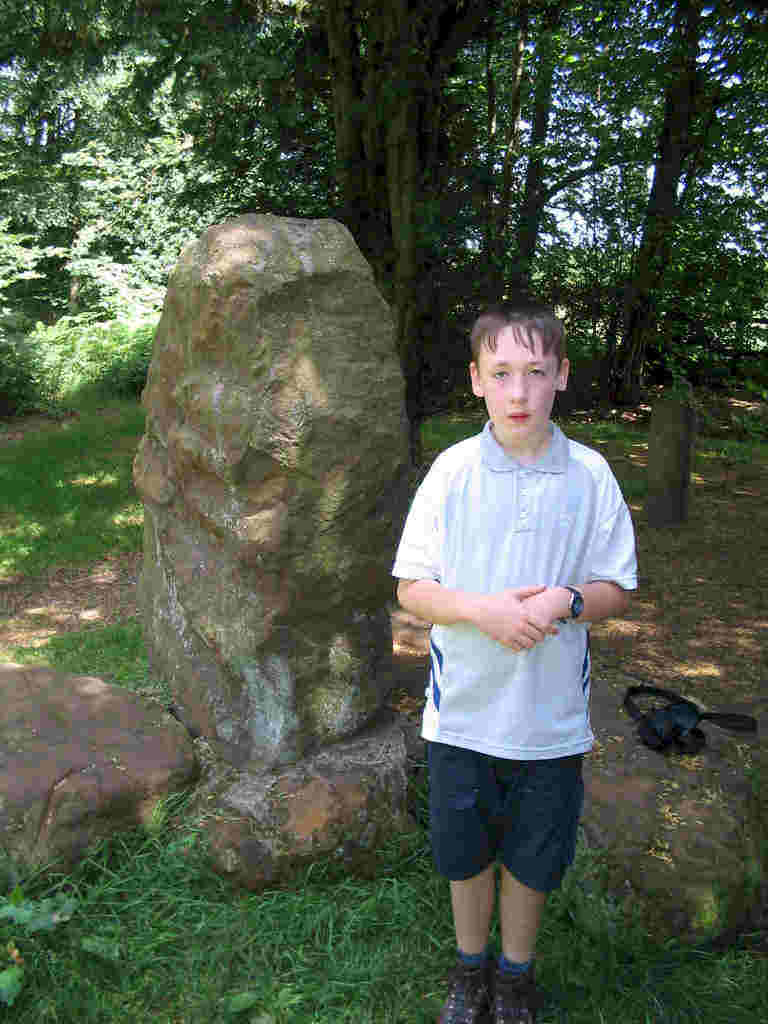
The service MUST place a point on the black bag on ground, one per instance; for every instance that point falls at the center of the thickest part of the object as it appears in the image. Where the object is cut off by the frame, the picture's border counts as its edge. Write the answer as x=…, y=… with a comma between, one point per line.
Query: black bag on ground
x=674, y=724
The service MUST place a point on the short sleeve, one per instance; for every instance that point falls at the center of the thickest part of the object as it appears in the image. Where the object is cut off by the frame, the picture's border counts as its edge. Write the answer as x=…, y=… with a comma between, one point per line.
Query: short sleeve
x=418, y=554
x=613, y=557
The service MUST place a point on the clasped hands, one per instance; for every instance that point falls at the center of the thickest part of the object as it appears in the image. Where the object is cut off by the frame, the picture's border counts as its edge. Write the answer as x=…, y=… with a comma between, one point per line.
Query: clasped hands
x=521, y=617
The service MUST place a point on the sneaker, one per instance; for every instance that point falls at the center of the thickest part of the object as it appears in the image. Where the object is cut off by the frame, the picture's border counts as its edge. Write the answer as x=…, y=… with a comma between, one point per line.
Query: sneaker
x=516, y=999
x=469, y=1000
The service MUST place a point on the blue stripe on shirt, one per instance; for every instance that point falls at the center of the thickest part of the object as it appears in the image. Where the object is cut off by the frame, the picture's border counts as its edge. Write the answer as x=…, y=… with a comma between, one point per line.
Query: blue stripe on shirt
x=436, y=659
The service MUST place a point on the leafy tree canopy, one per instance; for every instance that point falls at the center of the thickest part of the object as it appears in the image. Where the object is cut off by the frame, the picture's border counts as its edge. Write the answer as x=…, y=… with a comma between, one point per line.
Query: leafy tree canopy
x=609, y=157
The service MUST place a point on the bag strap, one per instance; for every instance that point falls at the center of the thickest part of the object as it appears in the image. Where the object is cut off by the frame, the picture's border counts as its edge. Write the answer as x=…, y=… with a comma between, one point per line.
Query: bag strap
x=653, y=691
x=730, y=720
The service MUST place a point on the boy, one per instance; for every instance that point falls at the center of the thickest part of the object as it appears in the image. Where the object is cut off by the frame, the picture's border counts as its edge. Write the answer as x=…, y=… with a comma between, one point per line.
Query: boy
x=516, y=539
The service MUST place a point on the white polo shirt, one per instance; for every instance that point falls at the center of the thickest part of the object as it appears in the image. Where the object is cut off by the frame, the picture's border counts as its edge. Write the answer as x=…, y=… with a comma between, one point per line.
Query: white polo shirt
x=482, y=522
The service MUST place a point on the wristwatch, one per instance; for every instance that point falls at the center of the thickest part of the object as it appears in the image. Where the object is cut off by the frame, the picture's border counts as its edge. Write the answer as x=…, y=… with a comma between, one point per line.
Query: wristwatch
x=576, y=606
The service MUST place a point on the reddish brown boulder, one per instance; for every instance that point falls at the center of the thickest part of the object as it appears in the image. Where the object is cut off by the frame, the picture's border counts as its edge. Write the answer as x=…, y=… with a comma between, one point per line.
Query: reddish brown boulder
x=78, y=760
x=265, y=825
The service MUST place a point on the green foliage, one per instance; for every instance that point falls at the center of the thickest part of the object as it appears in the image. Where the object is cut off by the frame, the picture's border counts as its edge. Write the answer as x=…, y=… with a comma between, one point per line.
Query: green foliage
x=735, y=422
x=19, y=374
x=135, y=213
x=37, y=915
x=122, y=136
x=98, y=205
x=20, y=256
x=78, y=359
x=82, y=356
x=31, y=916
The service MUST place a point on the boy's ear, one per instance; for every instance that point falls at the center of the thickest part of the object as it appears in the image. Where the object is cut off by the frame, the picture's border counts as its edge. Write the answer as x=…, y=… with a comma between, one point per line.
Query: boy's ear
x=561, y=380
x=474, y=376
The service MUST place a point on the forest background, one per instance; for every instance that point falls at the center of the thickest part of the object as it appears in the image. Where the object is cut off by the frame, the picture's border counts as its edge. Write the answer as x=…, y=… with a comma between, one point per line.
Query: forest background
x=606, y=157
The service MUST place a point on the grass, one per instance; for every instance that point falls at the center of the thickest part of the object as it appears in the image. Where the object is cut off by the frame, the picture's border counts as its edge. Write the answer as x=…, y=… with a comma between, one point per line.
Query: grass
x=67, y=496
x=156, y=935
x=115, y=653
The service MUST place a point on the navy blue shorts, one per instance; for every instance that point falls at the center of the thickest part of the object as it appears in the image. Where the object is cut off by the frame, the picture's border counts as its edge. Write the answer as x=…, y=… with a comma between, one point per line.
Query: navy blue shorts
x=523, y=813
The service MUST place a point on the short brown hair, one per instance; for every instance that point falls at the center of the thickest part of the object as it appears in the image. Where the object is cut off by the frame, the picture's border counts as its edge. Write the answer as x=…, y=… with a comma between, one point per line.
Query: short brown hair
x=529, y=325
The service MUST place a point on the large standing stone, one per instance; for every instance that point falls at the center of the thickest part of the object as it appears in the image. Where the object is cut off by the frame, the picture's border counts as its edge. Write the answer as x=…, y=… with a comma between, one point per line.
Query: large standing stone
x=78, y=760
x=272, y=471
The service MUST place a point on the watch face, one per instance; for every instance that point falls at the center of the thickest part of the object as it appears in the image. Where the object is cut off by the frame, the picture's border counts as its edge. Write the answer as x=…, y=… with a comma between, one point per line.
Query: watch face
x=577, y=604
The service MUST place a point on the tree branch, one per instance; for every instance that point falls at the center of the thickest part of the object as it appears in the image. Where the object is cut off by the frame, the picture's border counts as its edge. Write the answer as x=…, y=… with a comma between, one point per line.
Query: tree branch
x=597, y=165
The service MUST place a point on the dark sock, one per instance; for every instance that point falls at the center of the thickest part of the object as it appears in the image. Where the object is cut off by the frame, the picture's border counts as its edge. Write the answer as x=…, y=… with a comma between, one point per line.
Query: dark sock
x=512, y=969
x=473, y=959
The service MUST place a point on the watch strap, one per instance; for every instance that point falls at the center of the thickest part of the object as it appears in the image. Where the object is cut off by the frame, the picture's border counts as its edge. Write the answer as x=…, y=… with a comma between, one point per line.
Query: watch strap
x=576, y=596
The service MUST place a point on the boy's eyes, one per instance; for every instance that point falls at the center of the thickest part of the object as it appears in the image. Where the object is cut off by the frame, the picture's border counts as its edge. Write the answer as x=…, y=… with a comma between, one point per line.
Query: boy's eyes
x=534, y=371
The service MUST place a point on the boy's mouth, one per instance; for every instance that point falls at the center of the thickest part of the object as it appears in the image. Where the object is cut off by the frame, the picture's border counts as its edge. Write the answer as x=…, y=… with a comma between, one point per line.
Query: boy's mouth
x=518, y=416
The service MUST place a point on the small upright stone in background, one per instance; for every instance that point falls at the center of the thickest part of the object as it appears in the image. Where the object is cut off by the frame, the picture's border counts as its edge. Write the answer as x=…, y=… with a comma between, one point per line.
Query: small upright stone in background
x=670, y=453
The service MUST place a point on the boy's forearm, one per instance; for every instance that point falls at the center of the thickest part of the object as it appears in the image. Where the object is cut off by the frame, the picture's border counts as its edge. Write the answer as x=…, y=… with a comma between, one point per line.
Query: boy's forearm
x=501, y=616
x=433, y=602
x=445, y=606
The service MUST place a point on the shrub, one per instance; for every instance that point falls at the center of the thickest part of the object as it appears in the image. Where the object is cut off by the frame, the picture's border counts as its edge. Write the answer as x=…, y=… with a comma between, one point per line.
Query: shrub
x=18, y=376
x=82, y=357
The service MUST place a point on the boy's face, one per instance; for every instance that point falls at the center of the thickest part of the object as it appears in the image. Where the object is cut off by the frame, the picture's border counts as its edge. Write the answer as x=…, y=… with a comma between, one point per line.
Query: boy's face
x=519, y=387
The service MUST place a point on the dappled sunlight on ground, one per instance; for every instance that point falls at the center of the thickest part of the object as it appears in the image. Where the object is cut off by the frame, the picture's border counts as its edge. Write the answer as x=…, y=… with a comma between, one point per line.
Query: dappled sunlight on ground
x=34, y=610
x=700, y=617
x=88, y=480
x=134, y=517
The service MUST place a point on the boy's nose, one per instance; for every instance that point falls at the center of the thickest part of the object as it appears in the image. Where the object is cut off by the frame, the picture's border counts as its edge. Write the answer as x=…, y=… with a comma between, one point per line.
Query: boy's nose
x=517, y=389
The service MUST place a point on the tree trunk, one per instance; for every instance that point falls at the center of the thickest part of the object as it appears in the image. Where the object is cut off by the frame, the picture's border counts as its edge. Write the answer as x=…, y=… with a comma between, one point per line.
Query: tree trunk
x=388, y=67
x=498, y=201
x=361, y=182
x=684, y=84
x=535, y=195
x=608, y=362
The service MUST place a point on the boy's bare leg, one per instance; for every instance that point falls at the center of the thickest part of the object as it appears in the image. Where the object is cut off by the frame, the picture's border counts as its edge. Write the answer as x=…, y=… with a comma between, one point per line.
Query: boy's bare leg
x=520, y=910
x=472, y=900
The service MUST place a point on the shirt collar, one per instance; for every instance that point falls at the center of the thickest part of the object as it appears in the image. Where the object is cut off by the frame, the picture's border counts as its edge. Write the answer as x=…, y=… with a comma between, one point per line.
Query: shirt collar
x=554, y=459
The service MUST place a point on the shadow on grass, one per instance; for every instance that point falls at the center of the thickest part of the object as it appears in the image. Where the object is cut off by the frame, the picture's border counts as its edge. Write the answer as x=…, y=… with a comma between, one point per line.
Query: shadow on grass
x=67, y=495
